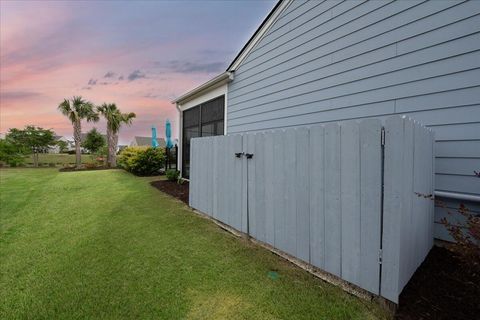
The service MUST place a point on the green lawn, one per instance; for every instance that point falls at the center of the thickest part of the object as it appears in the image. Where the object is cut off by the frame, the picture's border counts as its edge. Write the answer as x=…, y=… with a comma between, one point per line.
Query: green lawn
x=106, y=245
x=59, y=159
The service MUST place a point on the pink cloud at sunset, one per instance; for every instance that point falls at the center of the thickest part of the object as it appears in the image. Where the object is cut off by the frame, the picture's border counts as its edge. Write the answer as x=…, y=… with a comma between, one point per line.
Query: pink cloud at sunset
x=140, y=55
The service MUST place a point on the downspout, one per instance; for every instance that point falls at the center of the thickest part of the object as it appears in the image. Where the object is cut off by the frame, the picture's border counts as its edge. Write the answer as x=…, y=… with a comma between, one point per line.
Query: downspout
x=457, y=196
x=180, y=140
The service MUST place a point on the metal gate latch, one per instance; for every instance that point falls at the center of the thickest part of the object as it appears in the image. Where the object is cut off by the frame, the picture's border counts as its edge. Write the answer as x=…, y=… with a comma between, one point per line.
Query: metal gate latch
x=249, y=155
x=238, y=154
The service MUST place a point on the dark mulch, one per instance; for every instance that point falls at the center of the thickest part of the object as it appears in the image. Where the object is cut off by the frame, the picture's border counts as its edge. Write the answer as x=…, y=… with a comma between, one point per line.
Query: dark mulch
x=179, y=191
x=441, y=289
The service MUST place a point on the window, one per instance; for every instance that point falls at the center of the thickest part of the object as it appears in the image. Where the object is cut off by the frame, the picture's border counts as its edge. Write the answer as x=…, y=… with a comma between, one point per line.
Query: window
x=204, y=120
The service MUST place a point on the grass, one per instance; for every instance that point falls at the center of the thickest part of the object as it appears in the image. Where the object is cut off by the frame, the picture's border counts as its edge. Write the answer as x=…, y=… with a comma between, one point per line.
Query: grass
x=105, y=244
x=59, y=159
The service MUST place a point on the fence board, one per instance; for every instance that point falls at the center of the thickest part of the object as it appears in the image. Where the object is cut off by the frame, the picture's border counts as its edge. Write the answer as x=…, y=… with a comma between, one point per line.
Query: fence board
x=407, y=183
x=279, y=190
x=290, y=228
x=394, y=139
x=302, y=177
x=317, y=196
x=251, y=183
x=269, y=164
x=333, y=233
x=370, y=203
x=350, y=201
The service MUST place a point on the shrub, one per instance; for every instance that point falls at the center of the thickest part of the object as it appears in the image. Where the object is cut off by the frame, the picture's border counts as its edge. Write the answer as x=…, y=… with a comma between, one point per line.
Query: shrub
x=142, y=161
x=466, y=236
x=11, y=154
x=126, y=157
x=173, y=175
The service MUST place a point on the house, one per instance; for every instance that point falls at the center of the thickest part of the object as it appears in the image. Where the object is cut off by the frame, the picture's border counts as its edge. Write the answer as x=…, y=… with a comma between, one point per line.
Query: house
x=314, y=62
x=120, y=147
x=70, y=145
x=146, y=142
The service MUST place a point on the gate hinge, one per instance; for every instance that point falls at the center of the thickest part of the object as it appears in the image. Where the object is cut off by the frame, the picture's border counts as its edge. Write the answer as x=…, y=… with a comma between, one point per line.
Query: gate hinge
x=382, y=135
x=380, y=256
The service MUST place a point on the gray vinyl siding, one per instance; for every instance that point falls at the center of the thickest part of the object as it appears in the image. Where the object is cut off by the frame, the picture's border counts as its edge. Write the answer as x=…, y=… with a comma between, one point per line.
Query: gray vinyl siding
x=325, y=61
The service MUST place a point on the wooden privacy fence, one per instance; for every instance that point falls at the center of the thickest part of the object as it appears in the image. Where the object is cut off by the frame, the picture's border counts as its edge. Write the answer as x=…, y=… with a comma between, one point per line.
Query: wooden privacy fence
x=340, y=196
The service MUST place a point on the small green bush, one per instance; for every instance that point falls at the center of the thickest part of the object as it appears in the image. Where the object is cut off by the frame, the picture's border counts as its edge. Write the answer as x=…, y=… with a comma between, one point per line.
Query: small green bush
x=172, y=174
x=126, y=158
x=142, y=161
x=11, y=154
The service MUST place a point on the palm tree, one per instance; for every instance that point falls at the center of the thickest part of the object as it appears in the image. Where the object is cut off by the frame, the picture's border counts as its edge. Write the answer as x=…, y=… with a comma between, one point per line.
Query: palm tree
x=115, y=118
x=76, y=110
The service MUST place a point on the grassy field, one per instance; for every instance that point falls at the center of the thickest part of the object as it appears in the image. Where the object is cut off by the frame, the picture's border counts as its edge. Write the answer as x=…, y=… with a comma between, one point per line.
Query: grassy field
x=105, y=244
x=59, y=159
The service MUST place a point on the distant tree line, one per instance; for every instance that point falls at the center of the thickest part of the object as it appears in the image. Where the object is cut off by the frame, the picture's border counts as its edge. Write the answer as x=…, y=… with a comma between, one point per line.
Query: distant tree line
x=19, y=143
x=32, y=140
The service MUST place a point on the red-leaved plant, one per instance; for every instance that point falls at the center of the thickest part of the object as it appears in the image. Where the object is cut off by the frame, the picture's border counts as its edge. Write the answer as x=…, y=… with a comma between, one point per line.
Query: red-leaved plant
x=466, y=236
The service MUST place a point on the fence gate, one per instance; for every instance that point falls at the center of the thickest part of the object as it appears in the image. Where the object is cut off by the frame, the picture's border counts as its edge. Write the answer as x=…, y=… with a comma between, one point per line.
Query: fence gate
x=316, y=194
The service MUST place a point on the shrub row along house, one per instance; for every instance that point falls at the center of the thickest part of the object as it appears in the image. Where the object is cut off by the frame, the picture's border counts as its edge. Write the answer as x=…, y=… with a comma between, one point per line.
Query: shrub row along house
x=321, y=61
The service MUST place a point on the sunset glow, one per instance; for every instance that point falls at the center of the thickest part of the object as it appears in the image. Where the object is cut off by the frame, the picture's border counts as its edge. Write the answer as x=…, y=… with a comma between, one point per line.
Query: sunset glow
x=140, y=55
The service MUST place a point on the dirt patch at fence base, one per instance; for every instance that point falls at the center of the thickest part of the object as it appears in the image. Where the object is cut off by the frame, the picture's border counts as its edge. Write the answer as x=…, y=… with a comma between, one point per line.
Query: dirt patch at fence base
x=441, y=289
x=179, y=191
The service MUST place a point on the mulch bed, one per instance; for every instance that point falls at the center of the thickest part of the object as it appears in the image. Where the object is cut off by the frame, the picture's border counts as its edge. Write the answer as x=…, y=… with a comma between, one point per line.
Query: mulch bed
x=179, y=191
x=441, y=289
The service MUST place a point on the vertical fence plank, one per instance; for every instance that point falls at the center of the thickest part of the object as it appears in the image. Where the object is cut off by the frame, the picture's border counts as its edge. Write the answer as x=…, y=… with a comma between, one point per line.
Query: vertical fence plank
x=392, y=208
x=270, y=198
x=209, y=175
x=230, y=176
x=220, y=176
x=290, y=152
x=370, y=203
x=279, y=190
x=419, y=207
x=260, y=179
x=215, y=174
x=407, y=224
x=249, y=142
x=302, y=181
x=333, y=210
x=192, y=189
x=432, y=185
x=200, y=159
x=239, y=186
x=317, y=196
x=350, y=198
x=244, y=181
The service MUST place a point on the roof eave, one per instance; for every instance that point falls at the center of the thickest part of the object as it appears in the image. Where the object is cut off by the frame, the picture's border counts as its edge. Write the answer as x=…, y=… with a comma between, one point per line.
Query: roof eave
x=221, y=79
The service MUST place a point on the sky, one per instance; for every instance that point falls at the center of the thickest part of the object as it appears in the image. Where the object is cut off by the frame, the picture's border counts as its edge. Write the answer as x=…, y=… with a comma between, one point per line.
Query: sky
x=137, y=54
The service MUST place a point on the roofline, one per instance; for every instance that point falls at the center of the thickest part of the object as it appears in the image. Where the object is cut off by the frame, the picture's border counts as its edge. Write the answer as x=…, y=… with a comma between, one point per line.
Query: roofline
x=222, y=78
x=262, y=29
